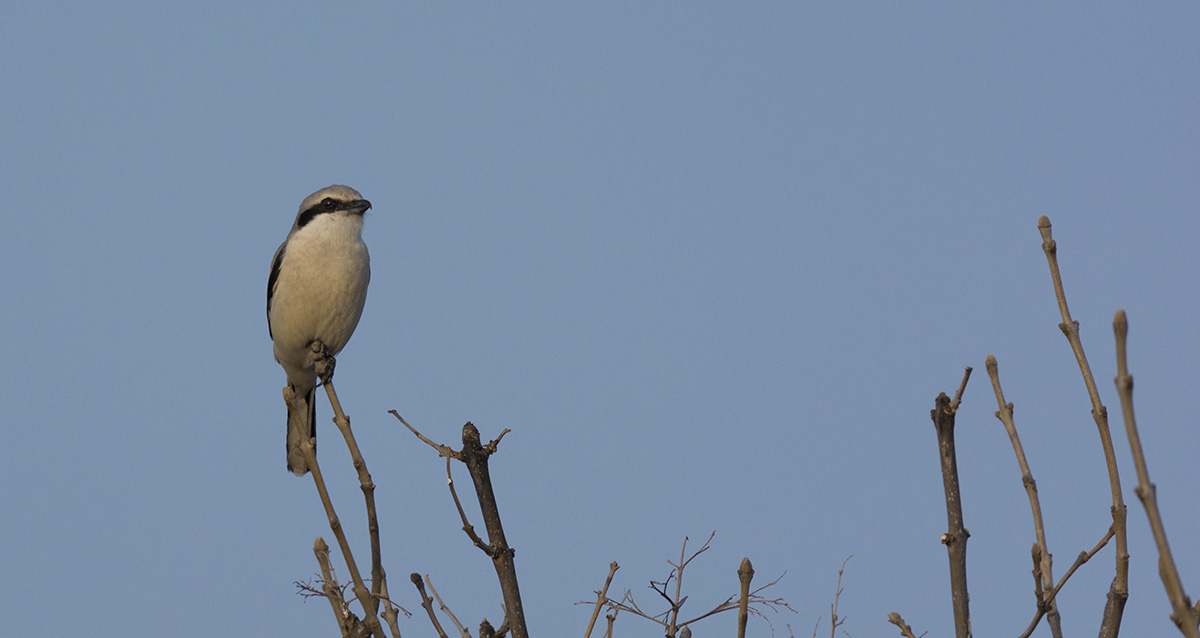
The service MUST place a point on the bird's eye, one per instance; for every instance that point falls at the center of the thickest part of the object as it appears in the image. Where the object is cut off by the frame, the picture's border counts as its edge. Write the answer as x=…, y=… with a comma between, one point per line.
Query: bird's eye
x=327, y=202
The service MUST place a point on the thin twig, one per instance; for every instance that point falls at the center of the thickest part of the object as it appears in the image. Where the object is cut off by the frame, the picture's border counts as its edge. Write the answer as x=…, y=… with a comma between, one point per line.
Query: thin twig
x=1044, y=576
x=329, y=584
x=756, y=599
x=443, y=450
x=669, y=619
x=462, y=631
x=601, y=597
x=1185, y=615
x=390, y=614
x=673, y=622
x=427, y=603
x=1118, y=592
x=360, y=590
x=837, y=595
x=627, y=603
x=1079, y=560
x=462, y=514
x=961, y=388
x=450, y=453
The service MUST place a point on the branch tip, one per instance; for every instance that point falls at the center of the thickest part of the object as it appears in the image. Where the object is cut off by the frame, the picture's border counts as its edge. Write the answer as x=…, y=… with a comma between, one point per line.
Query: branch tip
x=961, y=388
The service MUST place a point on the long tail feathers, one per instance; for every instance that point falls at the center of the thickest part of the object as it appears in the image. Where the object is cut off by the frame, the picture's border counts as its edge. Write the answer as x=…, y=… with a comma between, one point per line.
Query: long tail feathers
x=308, y=417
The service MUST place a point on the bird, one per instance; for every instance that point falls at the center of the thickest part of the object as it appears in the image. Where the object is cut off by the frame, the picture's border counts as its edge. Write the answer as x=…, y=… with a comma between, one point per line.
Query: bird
x=315, y=297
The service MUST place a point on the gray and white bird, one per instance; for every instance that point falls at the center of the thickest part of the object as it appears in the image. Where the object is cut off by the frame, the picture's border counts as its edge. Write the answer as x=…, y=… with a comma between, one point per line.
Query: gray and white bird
x=316, y=292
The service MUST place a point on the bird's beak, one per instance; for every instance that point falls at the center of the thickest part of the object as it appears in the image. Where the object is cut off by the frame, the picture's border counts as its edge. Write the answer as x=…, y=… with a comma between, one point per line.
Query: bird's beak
x=359, y=206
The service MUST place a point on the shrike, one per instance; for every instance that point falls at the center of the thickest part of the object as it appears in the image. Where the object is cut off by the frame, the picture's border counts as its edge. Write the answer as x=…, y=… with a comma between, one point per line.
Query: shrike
x=315, y=293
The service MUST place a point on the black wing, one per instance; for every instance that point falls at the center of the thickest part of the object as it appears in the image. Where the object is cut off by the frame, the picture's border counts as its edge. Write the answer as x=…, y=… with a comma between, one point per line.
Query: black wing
x=271, y=283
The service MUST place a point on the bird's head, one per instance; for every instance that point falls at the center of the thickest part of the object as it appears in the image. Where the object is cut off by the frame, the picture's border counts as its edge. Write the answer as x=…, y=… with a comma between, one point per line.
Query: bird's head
x=331, y=199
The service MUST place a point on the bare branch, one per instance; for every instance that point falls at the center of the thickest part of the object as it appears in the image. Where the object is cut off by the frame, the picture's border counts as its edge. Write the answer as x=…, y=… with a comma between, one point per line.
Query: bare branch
x=627, y=603
x=703, y=548
x=462, y=631
x=756, y=601
x=1118, y=592
x=1080, y=560
x=896, y=620
x=467, y=527
x=475, y=456
x=601, y=597
x=677, y=602
x=360, y=590
x=961, y=388
x=745, y=574
x=427, y=603
x=837, y=594
x=1185, y=615
x=450, y=453
x=329, y=584
x=378, y=577
x=442, y=450
x=668, y=619
x=390, y=610
x=1043, y=567
x=956, y=537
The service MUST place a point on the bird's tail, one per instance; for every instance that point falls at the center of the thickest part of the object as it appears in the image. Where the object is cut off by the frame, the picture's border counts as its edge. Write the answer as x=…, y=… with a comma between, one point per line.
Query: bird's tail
x=296, y=462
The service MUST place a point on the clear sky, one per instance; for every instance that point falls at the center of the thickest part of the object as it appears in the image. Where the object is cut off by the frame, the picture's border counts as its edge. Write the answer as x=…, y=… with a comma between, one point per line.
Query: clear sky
x=710, y=262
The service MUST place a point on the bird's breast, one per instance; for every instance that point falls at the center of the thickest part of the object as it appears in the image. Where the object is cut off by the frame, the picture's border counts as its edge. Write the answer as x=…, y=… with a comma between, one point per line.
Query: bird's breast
x=320, y=292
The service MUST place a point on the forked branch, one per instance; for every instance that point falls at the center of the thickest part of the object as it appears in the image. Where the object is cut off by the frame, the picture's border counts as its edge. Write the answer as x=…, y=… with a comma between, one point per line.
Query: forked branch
x=601, y=598
x=475, y=456
x=1079, y=560
x=669, y=620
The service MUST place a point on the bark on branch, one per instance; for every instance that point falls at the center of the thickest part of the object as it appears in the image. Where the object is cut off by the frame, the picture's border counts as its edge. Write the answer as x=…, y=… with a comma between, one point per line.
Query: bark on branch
x=955, y=538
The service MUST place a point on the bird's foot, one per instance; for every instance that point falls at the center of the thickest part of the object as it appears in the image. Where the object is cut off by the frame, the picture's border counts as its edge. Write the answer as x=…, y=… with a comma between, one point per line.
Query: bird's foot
x=320, y=360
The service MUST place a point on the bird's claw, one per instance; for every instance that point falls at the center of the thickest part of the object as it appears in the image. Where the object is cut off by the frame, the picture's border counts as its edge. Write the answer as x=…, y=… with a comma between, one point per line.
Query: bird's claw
x=320, y=360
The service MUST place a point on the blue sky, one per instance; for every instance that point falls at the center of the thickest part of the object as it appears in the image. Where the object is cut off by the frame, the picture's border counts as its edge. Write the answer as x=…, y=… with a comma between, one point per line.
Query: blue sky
x=710, y=262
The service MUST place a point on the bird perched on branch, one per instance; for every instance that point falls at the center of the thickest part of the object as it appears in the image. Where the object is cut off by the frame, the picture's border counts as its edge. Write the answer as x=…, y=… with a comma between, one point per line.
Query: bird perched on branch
x=315, y=296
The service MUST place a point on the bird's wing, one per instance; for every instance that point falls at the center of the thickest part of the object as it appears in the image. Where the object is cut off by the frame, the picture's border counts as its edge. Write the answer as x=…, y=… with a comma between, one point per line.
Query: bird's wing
x=275, y=262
